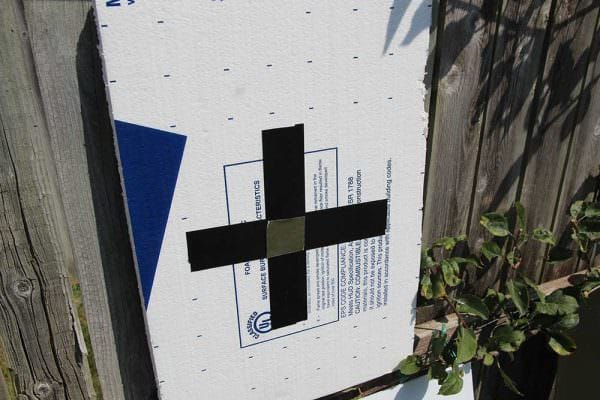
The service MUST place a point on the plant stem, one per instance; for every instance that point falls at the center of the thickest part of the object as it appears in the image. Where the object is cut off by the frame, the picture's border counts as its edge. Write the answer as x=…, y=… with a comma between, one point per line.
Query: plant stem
x=461, y=320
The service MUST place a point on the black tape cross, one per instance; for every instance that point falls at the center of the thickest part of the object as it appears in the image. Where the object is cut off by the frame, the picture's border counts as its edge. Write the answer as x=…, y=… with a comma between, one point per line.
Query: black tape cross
x=283, y=163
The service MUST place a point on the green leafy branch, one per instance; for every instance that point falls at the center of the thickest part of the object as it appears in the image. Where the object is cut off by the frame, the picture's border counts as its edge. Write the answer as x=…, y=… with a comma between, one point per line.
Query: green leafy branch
x=500, y=321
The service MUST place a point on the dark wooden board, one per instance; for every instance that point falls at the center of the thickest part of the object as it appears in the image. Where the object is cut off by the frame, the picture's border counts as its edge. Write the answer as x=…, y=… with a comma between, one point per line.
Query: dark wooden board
x=518, y=57
x=465, y=52
x=583, y=166
x=554, y=119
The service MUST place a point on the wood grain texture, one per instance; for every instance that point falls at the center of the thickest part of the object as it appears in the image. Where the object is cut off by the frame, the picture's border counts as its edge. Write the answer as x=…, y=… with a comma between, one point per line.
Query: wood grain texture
x=465, y=55
x=64, y=43
x=517, y=58
x=583, y=166
x=560, y=93
x=38, y=326
x=54, y=29
x=3, y=388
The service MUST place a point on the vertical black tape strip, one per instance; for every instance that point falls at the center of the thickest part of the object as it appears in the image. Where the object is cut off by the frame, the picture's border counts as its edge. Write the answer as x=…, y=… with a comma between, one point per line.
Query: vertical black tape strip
x=287, y=289
x=283, y=161
x=345, y=224
x=226, y=245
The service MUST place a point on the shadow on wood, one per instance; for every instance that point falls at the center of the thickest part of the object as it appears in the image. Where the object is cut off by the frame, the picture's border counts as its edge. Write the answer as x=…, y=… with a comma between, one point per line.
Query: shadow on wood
x=115, y=249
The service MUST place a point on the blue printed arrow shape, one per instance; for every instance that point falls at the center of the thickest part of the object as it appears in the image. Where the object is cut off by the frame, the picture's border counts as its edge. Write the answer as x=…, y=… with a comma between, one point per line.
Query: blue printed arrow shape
x=150, y=161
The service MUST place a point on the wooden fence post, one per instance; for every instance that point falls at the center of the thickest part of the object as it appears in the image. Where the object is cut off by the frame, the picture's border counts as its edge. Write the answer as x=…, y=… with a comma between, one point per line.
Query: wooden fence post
x=38, y=325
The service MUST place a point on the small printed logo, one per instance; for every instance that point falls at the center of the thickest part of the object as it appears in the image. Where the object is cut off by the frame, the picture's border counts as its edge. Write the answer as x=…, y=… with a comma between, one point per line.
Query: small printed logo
x=259, y=324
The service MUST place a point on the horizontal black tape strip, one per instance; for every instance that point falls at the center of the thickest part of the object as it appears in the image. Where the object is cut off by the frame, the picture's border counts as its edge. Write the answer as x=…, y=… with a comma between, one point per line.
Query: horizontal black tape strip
x=226, y=245
x=287, y=289
x=345, y=224
x=283, y=163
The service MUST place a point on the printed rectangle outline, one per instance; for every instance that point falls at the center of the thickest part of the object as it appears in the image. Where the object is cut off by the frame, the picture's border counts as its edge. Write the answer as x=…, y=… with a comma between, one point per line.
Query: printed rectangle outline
x=237, y=309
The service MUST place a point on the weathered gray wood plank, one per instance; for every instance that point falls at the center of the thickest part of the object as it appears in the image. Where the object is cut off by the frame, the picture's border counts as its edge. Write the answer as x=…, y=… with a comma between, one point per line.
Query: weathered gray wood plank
x=3, y=388
x=38, y=326
x=465, y=50
x=548, y=144
x=64, y=41
x=517, y=58
x=583, y=166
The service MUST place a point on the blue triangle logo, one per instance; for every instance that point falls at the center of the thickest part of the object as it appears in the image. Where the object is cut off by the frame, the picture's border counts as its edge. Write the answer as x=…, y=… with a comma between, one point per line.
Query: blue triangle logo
x=150, y=160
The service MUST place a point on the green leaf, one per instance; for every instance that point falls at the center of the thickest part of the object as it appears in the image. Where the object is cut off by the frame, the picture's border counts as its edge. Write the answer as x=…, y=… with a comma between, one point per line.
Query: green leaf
x=490, y=250
x=567, y=322
x=520, y=215
x=452, y=384
x=518, y=294
x=562, y=344
x=426, y=286
x=512, y=258
x=493, y=299
x=449, y=242
x=472, y=305
x=507, y=338
x=521, y=323
x=410, y=365
x=592, y=210
x=488, y=359
x=510, y=384
x=535, y=288
x=438, y=286
x=588, y=287
x=437, y=370
x=466, y=345
x=576, y=209
x=451, y=271
x=495, y=223
x=546, y=308
x=462, y=260
x=544, y=236
x=565, y=304
x=581, y=240
x=426, y=259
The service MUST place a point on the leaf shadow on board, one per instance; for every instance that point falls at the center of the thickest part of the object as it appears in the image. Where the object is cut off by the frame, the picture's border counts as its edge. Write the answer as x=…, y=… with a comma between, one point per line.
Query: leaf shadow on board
x=534, y=88
x=414, y=390
x=419, y=22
